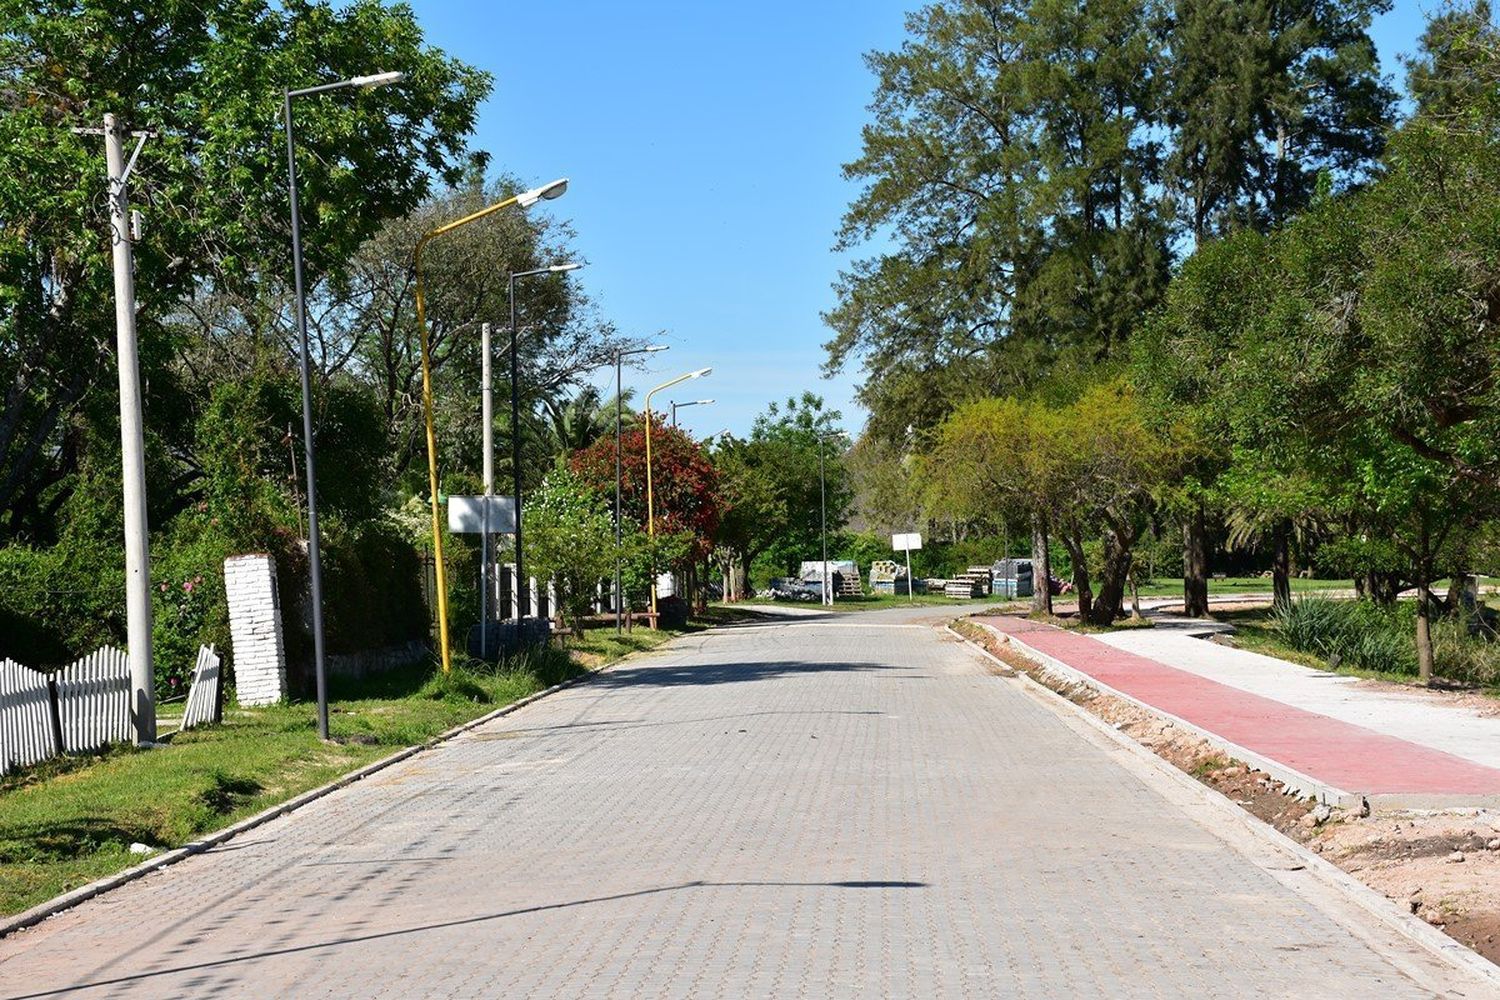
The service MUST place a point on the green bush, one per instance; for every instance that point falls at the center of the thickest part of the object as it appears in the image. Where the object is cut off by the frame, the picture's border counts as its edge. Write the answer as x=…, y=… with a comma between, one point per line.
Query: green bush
x=1382, y=638
x=372, y=587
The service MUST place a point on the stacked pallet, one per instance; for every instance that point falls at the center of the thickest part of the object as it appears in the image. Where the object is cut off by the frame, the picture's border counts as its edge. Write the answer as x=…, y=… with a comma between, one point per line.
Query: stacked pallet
x=883, y=576
x=972, y=584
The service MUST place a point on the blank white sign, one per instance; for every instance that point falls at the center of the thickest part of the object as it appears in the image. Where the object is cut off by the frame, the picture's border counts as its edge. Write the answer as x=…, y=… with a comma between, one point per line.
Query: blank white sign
x=466, y=515
x=902, y=543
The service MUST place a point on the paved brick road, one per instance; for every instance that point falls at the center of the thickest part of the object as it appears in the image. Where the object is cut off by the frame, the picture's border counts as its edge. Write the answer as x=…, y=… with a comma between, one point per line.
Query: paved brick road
x=816, y=810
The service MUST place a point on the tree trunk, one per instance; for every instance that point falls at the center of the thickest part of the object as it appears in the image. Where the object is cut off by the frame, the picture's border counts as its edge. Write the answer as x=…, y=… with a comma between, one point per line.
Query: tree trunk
x=1424, y=605
x=1195, y=565
x=1281, y=565
x=1081, y=585
x=741, y=578
x=1041, y=567
x=1112, y=581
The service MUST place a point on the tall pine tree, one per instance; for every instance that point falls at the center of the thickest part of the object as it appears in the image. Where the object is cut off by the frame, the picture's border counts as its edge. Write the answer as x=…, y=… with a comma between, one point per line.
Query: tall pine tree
x=1265, y=100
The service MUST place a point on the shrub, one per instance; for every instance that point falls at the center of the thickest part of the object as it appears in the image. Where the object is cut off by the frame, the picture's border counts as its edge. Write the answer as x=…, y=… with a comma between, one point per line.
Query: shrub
x=1382, y=638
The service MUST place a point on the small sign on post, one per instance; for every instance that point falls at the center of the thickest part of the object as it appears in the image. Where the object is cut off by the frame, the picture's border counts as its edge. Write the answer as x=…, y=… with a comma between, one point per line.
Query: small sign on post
x=466, y=515
x=905, y=543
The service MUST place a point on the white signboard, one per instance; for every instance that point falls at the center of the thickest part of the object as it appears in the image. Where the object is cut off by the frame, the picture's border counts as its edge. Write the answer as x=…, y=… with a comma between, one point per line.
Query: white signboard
x=907, y=542
x=466, y=515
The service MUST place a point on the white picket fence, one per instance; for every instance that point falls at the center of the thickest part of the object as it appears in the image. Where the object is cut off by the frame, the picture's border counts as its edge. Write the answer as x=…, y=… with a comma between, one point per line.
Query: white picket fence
x=84, y=706
x=26, y=735
x=93, y=700
x=203, y=695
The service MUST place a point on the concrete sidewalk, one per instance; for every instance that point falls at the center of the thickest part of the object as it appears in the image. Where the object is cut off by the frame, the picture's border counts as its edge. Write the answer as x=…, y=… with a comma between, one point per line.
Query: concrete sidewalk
x=1324, y=734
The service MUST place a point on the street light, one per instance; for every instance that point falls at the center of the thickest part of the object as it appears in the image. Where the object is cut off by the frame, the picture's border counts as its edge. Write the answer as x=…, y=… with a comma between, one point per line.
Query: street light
x=523, y=200
x=314, y=561
x=823, y=514
x=523, y=591
x=620, y=356
x=650, y=497
x=692, y=402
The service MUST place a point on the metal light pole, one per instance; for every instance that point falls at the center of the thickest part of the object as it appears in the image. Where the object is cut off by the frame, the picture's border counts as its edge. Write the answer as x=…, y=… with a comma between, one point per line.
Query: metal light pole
x=823, y=518
x=620, y=356
x=692, y=402
x=523, y=588
x=650, y=496
x=523, y=200
x=314, y=545
x=487, y=419
x=823, y=522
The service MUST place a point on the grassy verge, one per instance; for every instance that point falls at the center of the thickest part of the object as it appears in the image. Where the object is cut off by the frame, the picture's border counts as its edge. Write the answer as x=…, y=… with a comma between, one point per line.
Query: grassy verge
x=1243, y=585
x=874, y=602
x=1262, y=585
x=72, y=820
x=1073, y=624
x=1256, y=633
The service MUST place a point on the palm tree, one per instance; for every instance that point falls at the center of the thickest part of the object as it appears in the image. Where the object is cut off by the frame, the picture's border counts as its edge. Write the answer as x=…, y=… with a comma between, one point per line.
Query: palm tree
x=577, y=422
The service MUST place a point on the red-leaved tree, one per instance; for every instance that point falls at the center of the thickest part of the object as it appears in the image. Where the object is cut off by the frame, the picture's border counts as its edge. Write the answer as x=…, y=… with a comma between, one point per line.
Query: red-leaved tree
x=685, y=483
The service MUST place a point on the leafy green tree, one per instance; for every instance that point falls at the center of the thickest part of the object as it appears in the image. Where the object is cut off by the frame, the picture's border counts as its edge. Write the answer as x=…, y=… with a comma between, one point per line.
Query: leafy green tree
x=887, y=497
x=207, y=77
x=944, y=162
x=1455, y=69
x=1011, y=163
x=754, y=510
x=570, y=536
x=1084, y=471
x=788, y=440
x=577, y=421
x=685, y=484
x=1264, y=97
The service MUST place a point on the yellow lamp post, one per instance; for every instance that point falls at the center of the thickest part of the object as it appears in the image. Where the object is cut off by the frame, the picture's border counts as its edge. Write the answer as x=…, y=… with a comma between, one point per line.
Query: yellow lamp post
x=523, y=200
x=650, y=495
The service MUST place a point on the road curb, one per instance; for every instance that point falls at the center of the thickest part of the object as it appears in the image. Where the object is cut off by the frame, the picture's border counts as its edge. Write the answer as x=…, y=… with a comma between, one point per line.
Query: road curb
x=1303, y=784
x=1369, y=902
x=71, y=898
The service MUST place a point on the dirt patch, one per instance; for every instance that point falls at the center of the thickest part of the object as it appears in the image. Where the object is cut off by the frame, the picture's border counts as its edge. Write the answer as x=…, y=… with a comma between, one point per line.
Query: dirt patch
x=1442, y=864
x=1439, y=862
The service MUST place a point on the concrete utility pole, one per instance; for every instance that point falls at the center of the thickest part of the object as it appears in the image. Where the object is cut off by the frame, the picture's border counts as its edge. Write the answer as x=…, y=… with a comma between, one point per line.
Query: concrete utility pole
x=132, y=443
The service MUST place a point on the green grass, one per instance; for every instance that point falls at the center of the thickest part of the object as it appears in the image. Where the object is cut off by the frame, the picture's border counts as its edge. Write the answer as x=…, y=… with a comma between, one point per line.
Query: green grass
x=873, y=602
x=72, y=820
x=1242, y=585
x=1262, y=585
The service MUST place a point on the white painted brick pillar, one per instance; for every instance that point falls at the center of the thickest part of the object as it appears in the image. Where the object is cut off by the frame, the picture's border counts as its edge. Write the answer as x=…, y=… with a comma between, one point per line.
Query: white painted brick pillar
x=255, y=629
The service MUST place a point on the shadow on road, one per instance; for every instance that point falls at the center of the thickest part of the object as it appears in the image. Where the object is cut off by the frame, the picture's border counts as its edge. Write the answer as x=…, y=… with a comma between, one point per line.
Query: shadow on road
x=857, y=884
x=723, y=673
x=615, y=725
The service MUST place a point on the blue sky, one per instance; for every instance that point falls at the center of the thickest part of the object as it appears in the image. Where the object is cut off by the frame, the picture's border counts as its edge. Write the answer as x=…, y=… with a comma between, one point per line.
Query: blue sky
x=704, y=142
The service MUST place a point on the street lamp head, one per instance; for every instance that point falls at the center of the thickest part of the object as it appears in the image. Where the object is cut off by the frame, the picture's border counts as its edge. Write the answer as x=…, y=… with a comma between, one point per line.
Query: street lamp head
x=700, y=373
x=377, y=80
x=561, y=268
x=546, y=192
x=700, y=402
x=654, y=348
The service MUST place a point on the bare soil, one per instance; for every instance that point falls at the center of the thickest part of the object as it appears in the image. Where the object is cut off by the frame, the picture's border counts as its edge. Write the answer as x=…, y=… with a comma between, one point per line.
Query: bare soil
x=1442, y=864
